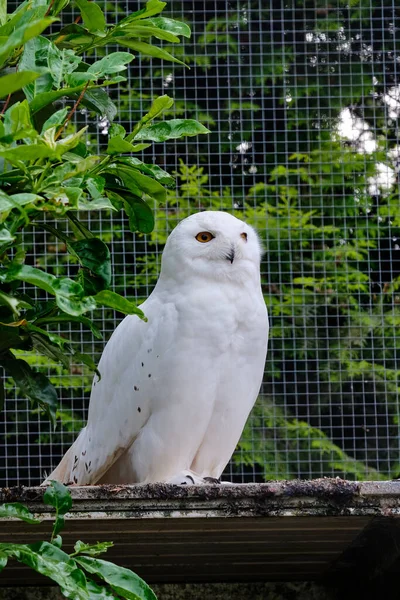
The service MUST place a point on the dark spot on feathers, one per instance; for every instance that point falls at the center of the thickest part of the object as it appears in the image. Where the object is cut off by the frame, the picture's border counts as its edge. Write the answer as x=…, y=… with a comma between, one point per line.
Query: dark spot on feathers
x=149, y=375
x=149, y=350
x=139, y=409
x=90, y=462
x=75, y=459
x=84, y=453
x=135, y=387
x=75, y=479
x=142, y=364
x=158, y=356
x=86, y=466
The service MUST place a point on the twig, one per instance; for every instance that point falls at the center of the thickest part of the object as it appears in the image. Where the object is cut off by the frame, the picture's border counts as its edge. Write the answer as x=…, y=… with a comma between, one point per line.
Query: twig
x=49, y=9
x=71, y=112
x=6, y=103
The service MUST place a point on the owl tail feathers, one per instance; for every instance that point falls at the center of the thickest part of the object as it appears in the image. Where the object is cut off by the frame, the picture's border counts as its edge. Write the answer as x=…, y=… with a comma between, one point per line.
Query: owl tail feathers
x=62, y=472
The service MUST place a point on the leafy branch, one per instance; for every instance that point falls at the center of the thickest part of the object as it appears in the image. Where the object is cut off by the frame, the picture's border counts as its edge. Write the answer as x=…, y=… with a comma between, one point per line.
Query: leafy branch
x=72, y=572
x=49, y=176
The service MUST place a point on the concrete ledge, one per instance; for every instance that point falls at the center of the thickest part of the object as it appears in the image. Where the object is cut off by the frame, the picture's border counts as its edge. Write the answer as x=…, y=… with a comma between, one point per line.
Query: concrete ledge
x=325, y=529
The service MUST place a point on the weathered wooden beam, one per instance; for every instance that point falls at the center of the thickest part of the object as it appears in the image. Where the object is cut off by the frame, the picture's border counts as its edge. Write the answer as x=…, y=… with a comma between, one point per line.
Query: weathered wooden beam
x=277, y=531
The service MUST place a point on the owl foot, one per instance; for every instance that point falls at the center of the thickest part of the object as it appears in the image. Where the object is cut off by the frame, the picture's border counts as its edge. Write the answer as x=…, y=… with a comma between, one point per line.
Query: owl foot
x=186, y=478
x=211, y=480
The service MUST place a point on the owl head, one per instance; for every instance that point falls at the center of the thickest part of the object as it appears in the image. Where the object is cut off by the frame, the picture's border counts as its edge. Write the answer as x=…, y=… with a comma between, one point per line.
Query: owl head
x=213, y=244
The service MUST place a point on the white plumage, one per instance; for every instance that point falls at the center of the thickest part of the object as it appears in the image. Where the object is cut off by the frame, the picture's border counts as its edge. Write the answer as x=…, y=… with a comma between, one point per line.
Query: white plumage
x=175, y=391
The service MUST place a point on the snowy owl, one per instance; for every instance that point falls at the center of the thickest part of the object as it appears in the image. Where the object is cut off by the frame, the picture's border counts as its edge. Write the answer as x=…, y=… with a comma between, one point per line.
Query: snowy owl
x=175, y=391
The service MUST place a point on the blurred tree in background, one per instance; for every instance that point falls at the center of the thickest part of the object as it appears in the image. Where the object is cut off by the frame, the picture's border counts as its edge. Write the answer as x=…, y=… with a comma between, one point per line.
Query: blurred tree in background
x=303, y=100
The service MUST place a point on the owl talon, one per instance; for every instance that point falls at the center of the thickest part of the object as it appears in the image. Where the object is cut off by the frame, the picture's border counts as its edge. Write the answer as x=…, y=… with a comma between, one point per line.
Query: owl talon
x=211, y=480
x=186, y=478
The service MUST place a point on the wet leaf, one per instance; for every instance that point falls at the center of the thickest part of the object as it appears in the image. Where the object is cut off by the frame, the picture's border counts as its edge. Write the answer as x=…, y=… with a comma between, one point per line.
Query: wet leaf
x=55, y=120
x=112, y=63
x=99, y=101
x=123, y=581
x=171, y=25
x=152, y=170
x=17, y=510
x=42, y=100
x=92, y=549
x=148, y=49
x=94, y=255
x=172, y=129
x=58, y=496
x=117, y=302
x=52, y=562
x=22, y=34
x=153, y=7
x=140, y=215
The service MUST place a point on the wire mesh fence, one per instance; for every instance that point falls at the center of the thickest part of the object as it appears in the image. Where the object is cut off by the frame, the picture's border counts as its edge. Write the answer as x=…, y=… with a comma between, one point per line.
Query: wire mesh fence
x=303, y=101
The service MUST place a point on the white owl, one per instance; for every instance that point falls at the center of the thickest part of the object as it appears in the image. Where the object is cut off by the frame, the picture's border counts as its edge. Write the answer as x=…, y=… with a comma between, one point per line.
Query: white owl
x=175, y=391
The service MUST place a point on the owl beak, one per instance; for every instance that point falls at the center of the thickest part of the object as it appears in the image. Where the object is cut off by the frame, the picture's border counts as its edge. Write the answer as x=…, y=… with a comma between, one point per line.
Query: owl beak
x=231, y=255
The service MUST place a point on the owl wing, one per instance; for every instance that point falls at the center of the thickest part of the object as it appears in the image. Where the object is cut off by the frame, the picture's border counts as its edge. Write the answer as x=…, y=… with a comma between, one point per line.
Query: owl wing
x=120, y=400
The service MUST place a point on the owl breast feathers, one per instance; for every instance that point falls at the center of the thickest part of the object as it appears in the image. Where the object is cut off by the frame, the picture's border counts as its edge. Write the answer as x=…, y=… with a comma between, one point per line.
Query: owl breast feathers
x=175, y=391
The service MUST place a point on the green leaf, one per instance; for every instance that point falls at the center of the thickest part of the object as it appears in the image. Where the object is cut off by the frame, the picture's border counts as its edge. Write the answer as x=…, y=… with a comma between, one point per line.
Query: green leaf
x=61, y=64
x=140, y=215
x=59, y=496
x=16, y=81
x=92, y=549
x=146, y=184
x=16, y=510
x=123, y=581
x=22, y=34
x=117, y=145
x=112, y=63
x=68, y=319
x=26, y=152
x=69, y=297
x=94, y=255
x=92, y=16
x=69, y=294
x=52, y=562
x=152, y=170
x=3, y=561
x=144, y=29
x=173, y=129
x=170, y=25
x=5, y=235
x=42, y=100
x=35, y=58
x=95, y=186
x=159, y=105
x=117, y=302
x=31, y=275
x=136, y=182
x=148, y=49
x=99, y=101
x=153, y=7
x=3, y=11
x=16, y=200
x=55, y=120
x=32, y=384
x=18, y=123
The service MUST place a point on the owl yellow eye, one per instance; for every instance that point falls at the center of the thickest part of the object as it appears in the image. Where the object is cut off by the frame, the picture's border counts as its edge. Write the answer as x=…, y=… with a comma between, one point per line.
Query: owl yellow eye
x=204, y=237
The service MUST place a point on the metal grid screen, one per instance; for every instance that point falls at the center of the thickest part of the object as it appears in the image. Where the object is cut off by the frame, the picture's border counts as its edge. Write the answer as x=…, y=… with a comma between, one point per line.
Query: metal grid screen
x=303, y=100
